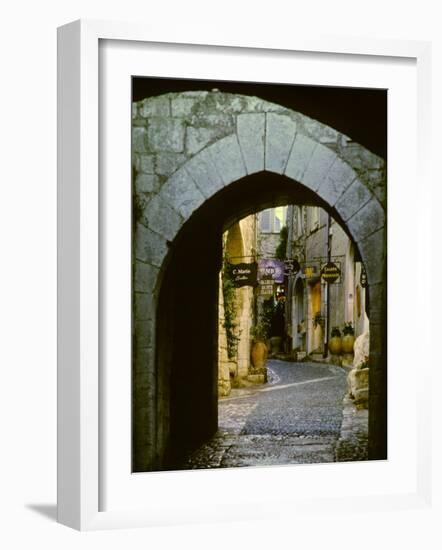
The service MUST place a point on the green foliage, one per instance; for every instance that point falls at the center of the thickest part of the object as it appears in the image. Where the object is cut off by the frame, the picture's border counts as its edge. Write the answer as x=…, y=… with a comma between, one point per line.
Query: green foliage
x=281, y=249
x=259, y=332
x=335, y=332
x=230, y=311
x=268, y=308
x=348, y=329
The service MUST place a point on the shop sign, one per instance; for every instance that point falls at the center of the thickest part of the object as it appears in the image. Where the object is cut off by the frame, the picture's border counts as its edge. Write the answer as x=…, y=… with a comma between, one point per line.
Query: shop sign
x=244, y=274
x=265, y=288
x=363, y=278
x=330, y=272
x=291, y=267
x=310, y=271
x=271, y=269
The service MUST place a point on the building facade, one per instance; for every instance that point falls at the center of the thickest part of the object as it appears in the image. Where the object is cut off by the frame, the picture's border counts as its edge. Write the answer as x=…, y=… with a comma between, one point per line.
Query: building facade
x=313, y=306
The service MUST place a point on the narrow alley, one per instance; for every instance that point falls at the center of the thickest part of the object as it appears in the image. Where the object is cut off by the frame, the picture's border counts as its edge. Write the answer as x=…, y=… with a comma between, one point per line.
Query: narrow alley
x=295, y=418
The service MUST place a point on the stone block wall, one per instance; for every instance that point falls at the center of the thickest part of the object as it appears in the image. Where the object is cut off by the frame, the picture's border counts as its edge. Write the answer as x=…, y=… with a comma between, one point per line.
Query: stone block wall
x=237, y=369
x=226, y=367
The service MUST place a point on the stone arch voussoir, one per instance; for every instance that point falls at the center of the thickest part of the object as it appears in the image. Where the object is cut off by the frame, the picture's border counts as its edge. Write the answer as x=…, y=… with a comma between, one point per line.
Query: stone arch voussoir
x=188, y=146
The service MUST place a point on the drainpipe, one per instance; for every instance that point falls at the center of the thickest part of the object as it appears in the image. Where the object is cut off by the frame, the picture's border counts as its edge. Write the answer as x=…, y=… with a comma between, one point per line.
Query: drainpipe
x=289, y=256
x=327, y=289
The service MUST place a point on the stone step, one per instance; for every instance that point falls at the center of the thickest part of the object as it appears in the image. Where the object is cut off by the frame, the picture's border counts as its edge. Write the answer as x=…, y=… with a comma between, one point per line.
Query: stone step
x=318, y=356
x=257, y=378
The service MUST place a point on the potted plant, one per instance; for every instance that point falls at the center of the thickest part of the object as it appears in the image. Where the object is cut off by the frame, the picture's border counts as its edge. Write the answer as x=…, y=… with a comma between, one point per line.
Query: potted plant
x=348, y=338
x=335, y=342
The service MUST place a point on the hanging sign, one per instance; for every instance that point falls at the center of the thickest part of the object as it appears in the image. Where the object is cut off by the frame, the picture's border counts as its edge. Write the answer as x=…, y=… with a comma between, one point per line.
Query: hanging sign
x=330, y=272
x=291, y=267
x=266, y=288
x=363, y=279
x=243, y=274
x=310, y=271
x=271, y=269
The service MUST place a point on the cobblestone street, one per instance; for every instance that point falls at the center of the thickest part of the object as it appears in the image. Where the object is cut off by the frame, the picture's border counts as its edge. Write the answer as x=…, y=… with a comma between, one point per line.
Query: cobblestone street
x=295, y=418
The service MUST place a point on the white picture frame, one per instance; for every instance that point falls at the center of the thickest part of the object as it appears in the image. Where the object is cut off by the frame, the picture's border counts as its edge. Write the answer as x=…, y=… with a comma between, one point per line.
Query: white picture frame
x=79, y=368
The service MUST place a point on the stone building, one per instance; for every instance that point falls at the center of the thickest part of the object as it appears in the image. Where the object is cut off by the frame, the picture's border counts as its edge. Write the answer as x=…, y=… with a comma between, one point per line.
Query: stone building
x=317, y=306
x=314, y=307
x=239, y=246
x=270, y=222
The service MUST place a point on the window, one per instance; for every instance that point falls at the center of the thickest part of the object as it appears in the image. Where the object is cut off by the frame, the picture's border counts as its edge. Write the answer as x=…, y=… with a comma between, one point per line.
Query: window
x=280, y=218
x=299, y=220
x=265, y=221
x=273, y=220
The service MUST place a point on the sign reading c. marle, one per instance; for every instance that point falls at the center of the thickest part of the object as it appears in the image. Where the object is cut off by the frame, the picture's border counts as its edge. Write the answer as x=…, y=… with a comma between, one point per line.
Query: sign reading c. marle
x=330, y=272
x=243, y=274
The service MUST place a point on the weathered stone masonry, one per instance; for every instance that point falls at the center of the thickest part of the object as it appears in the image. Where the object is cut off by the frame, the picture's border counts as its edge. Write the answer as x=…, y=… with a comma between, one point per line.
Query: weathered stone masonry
x=189, y=146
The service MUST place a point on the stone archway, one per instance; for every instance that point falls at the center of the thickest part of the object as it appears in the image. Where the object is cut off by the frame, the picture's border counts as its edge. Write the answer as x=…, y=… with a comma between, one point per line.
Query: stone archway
x=188, y=149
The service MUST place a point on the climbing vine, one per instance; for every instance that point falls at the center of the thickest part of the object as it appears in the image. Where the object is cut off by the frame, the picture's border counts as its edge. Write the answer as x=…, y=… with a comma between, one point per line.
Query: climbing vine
x=281, y=249
x=230, y=310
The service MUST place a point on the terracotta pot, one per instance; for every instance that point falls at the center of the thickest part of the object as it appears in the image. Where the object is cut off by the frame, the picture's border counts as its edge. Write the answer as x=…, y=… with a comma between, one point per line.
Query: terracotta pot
x=335, y=345
x=259, y=354
x=348, y=341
